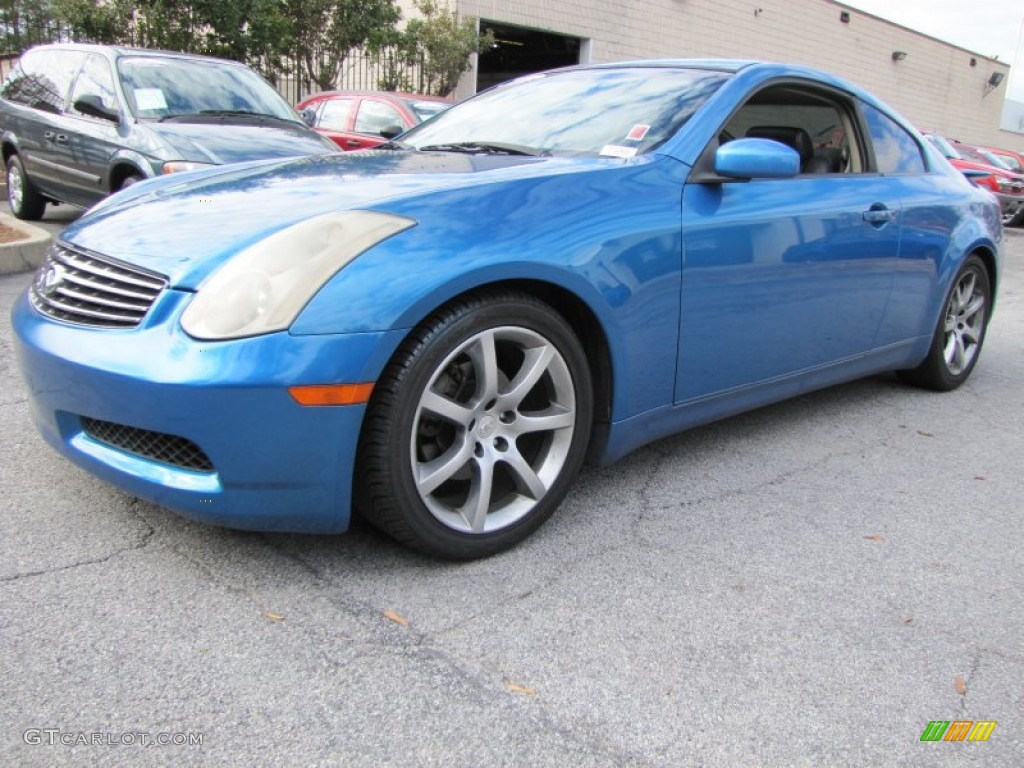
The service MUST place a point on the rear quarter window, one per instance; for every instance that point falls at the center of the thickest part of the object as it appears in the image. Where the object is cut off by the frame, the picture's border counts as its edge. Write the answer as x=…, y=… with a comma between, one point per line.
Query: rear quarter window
x=896, y=151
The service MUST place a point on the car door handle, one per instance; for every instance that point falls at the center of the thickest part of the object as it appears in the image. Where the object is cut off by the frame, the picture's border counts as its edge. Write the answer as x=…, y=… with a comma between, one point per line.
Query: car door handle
x=352, y=143
x=879, y=215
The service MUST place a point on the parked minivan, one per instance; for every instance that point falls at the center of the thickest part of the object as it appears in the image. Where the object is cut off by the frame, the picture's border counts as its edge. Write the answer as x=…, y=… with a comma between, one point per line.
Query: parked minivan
x=79, y=122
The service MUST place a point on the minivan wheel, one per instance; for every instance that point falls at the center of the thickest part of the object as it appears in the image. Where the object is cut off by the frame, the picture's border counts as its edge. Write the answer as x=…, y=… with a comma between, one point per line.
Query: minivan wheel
x=25, y=202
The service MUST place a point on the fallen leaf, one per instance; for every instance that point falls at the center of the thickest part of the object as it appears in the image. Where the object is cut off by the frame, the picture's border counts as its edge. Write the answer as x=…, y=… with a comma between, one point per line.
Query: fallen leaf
x=876, y=537
x=520, y=689
x=273, y=616
x=925, y=434
x=959, y=685
x=908, y=619
x=392, y=616
x=979, y=477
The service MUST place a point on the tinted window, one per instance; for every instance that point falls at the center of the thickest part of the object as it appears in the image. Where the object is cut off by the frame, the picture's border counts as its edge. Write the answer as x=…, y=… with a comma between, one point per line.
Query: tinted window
x=375, y=116
x=42, y=78
x=95, y=80
x=895, y=149
x=334, y=115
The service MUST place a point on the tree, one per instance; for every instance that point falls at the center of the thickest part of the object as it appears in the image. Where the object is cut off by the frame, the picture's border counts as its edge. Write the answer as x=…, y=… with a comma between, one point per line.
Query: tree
x=325, y=32
x=443, y=43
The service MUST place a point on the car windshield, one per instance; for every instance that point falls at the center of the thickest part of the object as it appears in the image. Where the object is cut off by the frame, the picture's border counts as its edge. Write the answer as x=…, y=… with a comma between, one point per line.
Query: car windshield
x=995, y=160
x=613, y=112
x=162, y=88
x=426, y=109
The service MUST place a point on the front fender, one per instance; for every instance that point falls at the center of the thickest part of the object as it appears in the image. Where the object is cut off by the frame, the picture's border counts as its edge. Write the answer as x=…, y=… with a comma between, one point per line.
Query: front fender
x=611, y=240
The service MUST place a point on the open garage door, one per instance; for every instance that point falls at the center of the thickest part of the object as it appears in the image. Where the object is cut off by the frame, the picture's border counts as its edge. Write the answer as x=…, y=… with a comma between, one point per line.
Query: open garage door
x=520, y=51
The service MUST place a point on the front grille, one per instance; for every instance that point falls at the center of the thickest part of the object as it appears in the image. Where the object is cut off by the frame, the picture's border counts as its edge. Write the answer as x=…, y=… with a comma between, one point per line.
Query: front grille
x=158, y=446
x=88, y=290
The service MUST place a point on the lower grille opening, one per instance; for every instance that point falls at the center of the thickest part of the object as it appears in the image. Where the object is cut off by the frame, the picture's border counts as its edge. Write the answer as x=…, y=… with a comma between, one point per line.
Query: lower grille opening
x=157, y=446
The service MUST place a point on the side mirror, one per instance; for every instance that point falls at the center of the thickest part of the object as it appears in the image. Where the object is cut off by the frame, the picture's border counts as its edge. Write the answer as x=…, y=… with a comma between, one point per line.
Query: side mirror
x=308, y=116
x=756, y=159
x=391, y=131
x=92, y=105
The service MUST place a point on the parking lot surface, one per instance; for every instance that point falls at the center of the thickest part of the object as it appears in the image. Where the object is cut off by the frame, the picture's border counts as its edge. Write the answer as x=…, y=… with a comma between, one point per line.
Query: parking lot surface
x=809, y=584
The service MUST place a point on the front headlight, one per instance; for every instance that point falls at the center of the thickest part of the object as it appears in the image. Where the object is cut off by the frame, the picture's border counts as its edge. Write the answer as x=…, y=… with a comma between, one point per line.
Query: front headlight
x=264, y=287
x=179, y=166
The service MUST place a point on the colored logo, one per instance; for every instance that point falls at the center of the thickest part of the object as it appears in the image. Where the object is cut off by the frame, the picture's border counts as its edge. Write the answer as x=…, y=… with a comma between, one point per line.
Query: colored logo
x=958, y=730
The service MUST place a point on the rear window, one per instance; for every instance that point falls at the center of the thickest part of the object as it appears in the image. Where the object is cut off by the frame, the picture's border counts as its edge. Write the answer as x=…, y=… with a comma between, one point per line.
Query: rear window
x=42, y=78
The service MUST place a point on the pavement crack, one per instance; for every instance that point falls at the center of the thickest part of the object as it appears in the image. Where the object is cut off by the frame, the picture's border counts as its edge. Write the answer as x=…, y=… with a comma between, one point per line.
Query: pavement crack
x=141, y=543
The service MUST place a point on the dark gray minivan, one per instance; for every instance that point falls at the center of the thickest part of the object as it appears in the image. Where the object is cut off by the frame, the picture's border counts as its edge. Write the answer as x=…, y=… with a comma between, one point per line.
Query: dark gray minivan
x=78, y=122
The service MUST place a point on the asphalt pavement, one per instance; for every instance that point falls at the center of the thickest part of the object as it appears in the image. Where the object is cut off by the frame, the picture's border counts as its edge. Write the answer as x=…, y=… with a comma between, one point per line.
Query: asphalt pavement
x=810, y=584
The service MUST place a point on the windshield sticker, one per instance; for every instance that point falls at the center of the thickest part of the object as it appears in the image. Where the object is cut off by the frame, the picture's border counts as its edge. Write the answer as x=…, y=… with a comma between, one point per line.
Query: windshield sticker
x=637, y=132
x=150, y=98
x=614, y=150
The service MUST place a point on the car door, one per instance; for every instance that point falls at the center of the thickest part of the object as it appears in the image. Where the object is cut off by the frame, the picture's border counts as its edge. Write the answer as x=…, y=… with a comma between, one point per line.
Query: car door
x=374, y=116
x=41, y=88
x=93, y=141
x=783, y=277
x=334, y=120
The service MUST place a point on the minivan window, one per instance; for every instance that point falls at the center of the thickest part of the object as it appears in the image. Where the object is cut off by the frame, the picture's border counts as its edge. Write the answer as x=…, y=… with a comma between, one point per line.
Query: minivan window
x=162, y=88
x=95, y=80
x=42, y=78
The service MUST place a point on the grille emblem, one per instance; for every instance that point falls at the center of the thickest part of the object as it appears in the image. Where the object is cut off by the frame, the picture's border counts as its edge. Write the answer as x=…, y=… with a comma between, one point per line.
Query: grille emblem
x=48, y=280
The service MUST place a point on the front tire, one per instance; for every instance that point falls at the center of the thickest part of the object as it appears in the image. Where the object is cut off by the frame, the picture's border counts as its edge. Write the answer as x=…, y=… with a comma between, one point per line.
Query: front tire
x=477, y=427
x=26, y=203
x=956, y=345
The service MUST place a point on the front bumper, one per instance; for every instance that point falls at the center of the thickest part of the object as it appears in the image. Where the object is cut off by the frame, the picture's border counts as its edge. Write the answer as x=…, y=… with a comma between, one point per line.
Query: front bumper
x=276, y=465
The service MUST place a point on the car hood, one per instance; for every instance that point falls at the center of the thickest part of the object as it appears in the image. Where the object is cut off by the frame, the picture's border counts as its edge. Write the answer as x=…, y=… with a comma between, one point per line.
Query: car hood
x=185, y=225
x=221, y=142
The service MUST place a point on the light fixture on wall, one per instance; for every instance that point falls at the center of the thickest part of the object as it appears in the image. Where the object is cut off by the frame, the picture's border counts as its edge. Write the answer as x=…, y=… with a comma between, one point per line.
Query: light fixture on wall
x=996, y=78
x=899, y=55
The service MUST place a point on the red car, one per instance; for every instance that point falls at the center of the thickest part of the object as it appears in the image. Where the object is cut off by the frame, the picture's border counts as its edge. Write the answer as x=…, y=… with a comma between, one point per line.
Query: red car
x=1012, y=160
x=361, y=119
x=1007, y=186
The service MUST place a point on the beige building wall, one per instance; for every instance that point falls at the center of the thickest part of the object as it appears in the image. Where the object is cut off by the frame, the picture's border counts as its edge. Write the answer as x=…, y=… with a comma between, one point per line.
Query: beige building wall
x=936, y=86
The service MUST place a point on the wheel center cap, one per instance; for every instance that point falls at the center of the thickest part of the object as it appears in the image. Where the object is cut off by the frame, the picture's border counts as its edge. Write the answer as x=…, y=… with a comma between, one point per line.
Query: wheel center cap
x=487, y=426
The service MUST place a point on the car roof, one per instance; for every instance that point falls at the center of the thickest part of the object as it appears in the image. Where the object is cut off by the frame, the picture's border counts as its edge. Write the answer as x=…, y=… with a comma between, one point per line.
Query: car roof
x=386, y=94
x=119, y=51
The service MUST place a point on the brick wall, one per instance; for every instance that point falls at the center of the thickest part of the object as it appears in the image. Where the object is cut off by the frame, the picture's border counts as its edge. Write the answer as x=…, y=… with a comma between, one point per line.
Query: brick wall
x=935, y=86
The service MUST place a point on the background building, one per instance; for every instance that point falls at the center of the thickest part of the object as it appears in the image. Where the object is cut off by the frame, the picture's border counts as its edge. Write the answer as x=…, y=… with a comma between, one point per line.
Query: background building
x=939, y=86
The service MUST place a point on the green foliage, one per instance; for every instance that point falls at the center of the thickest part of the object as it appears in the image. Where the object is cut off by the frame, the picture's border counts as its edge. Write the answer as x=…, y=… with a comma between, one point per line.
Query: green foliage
x=439, y=43
x=327, y=31
x=310, y=39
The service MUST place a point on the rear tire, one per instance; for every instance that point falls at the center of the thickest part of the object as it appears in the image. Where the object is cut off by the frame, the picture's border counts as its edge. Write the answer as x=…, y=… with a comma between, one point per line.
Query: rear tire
x=26, y=203
x=477, y=428
x=956, y=345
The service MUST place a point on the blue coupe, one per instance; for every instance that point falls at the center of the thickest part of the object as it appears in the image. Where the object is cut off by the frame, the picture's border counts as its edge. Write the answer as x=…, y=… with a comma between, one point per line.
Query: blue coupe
x=437, y=333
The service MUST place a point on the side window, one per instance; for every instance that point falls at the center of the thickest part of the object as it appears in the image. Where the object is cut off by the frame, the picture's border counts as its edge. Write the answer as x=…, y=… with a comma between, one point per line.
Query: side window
x=375, y=116
x=42, y=79
x=895, y=149
x=334, y=115
x=95, y=80
x=814, y=123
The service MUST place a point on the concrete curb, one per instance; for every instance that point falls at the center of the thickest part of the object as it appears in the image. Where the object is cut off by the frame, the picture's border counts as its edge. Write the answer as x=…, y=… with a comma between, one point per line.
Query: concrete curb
x=23, y=255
